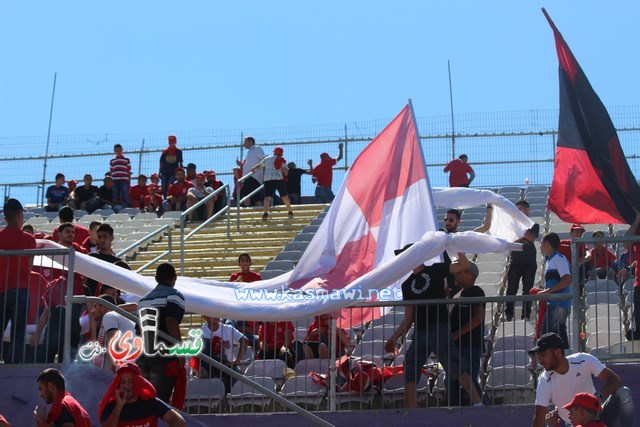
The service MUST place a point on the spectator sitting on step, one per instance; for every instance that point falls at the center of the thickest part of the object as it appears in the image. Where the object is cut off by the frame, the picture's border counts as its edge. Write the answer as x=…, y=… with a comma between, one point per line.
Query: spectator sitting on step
x=137, y=193
x=81, y=232
x=105, y=193
x=57, y=195
x=317, y=343
x=248, y=328
x=153, y=201
x=177, y=193
x=221, y=199
x=86, y=196
x=600, y=260
x=155, y=179
x=197, y=193
x=219, y=343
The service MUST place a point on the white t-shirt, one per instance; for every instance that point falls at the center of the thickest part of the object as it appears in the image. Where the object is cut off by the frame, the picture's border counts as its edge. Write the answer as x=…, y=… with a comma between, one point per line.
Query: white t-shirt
x=559, y=390
x=254, y=156
x=229, y=335
x=270, y=171
x=112, y=320
x=200, y=194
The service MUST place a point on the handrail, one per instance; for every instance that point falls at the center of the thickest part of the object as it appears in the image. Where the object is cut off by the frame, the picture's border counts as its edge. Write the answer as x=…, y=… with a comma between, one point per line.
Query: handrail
x=238, y=376
x=186, y=213
x=239, y=201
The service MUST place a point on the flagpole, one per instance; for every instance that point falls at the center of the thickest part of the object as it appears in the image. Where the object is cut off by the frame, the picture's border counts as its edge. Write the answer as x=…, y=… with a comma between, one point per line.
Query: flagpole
x=453, y=129
x=46, y=153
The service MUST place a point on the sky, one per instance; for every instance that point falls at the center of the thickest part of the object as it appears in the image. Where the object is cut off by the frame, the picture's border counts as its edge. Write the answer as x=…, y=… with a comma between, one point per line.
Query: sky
x=130, y=66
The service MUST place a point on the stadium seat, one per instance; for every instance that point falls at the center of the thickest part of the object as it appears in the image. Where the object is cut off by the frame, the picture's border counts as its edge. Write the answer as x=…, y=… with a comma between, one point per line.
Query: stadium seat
x=88, y=219
x=379, y=332
x=510, y=384
x=147, y=216
x=118, y=217
x=132, y=212
x=303, y=237
x=38, y=220
x=301, y=389
x=516, y=327
x=601, y=285
x=104, y=213
x=602, y=310
x=243, y=394
x=509, y=358
x=310, y=229
x=280, y=265
x=306, y=366
x=602, y=298
x=175, y=215
x=393, y=389
x=296, y=246
x=600, y=324
x=604, y=339
x=50, y=215
x=79, y=213
x=275, y=369
x=205, y=393
x=512, y=342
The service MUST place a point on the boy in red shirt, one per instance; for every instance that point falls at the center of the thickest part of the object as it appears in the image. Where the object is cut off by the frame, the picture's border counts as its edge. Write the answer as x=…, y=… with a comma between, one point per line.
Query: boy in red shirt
x=276, y=342
x=601, y=260
x=459, y=168
x=177, y=193
x=153, y=201
x=248, y=328
x=137, y=193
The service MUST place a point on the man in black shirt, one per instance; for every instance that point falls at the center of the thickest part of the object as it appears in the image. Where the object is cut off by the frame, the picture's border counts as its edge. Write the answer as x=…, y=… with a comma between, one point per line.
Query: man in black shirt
x=431, y=331
x=467, y=325
x=293, y=182
x=85, y=196
x=105, y=253
x=522, y=265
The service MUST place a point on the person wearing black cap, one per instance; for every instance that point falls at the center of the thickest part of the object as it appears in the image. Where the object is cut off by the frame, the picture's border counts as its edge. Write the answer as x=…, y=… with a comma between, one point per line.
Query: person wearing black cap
x=431, y=327
x=14, y=281
x=564, y=377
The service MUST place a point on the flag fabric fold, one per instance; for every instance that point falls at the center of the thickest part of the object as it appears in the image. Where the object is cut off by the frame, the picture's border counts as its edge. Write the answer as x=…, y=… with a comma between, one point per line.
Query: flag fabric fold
x=592, y=181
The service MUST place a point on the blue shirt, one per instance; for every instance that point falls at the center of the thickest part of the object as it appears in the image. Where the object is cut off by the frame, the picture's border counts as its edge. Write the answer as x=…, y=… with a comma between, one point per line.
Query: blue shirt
x=556, y=268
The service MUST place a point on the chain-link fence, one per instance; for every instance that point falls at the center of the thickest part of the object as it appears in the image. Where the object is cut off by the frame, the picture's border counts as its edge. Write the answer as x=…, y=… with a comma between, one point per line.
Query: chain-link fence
x=504, y=148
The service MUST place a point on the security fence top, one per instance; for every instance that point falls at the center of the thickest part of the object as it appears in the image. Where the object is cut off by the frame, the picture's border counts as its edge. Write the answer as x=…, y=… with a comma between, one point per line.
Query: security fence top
x=607, y=239
x=465, y=300
x=28, y=252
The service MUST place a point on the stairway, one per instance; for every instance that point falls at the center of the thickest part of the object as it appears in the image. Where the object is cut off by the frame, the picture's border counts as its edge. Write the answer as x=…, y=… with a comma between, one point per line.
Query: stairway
x=209, y=254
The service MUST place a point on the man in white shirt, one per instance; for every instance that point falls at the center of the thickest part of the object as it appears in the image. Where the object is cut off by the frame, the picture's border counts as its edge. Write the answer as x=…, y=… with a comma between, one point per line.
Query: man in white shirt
x=110, y=323
x=251, y=160
x=220, y=340
x=564, y=377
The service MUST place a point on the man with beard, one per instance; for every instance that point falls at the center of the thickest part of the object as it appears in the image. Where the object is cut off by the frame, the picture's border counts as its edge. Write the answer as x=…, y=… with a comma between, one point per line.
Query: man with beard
x=65, y=411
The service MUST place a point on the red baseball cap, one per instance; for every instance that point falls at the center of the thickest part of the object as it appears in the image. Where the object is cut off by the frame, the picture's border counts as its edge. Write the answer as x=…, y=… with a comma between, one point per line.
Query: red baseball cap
x=586, y=400
x=577, y=227
x=278, y=151
x=200, y=176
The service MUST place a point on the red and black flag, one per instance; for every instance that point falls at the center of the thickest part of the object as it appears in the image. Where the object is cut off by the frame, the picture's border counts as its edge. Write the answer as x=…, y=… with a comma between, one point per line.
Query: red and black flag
x=592, y=182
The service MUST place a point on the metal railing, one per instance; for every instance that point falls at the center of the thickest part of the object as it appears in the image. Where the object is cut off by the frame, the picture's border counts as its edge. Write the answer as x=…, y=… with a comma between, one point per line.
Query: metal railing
x=160, y=231
x=183, y=218
x=244, y=379
x=239, y=201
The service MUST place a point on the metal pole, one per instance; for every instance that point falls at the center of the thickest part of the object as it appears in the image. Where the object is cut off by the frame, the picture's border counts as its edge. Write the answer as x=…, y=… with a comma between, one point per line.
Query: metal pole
x=575, y=301
x=46, y=152
x=238, y=185
x=169, y=242
x=453, y=129
x=346, y=151
x=140, y=158
x=332, y=367
x=182, y=219
x=69, y=307
x=228, y=193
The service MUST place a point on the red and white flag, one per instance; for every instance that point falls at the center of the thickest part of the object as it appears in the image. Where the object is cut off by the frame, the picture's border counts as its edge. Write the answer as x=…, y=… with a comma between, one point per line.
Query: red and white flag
x=384, y=203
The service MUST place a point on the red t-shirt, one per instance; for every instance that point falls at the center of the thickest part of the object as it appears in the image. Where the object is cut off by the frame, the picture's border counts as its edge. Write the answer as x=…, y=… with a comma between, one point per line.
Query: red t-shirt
x=155, y=200
x=82, y=233
x=565, y=249
x=15, y=270
x=323, y=173
x=87, y=246
x=179, y=190
x=603, y=260
x=38, y=287
x=251, y=276
x=272, y=334
x=137, y=195
x=458, y=171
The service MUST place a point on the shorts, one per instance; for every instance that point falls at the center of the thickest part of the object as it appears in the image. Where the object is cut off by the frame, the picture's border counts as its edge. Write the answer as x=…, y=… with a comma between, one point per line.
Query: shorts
x=249, y=185
x=270, y=188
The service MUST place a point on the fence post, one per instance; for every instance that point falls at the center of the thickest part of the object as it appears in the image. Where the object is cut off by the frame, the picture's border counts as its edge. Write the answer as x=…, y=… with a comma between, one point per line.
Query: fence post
x=346, y=147
x=575, y=301
x=69, y=307
x=140, y=158
x=333, y=377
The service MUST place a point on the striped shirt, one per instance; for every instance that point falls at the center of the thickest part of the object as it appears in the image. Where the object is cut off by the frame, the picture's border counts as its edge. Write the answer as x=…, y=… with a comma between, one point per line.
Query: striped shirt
x=121, y=169
x=168, y=302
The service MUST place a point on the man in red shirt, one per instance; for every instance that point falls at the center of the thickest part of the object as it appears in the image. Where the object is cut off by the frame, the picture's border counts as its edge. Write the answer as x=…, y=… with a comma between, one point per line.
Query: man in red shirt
x=276, y=339
x=137, y=193
x=322, y=175
x=65, y=409
x=177, y=193
x=575, y=232
x=15, y=272
x=459, y=168
x=66, y=216
x=601, y=260
x=634, y=331
x=245, y=275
